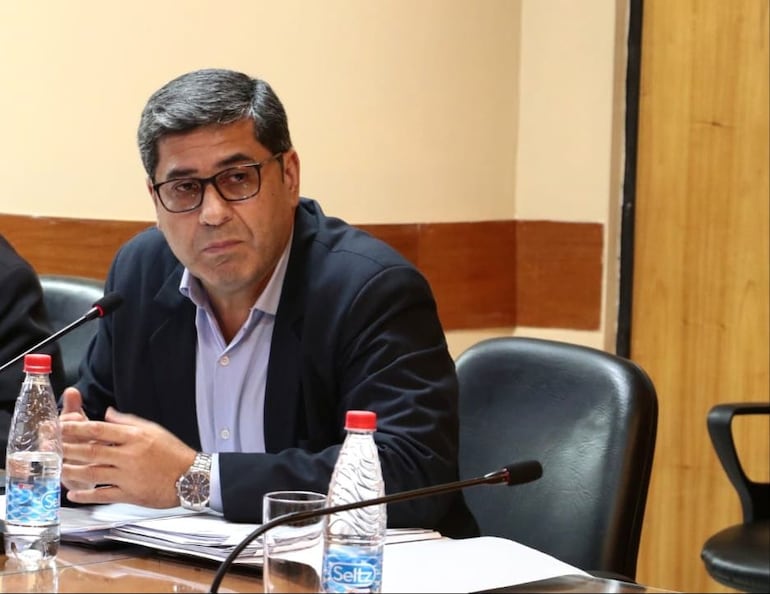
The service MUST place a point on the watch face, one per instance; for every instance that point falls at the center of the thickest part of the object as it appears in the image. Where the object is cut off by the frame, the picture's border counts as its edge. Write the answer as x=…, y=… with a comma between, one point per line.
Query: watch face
x=194, y=488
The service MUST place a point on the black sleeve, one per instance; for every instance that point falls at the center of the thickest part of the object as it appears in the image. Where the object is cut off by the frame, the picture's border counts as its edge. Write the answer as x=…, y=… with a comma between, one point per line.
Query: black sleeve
x=23, y=323
x=390, y=357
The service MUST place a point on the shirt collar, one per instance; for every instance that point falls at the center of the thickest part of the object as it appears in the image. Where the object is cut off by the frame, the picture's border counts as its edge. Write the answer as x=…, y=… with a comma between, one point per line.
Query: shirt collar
x=267, y=301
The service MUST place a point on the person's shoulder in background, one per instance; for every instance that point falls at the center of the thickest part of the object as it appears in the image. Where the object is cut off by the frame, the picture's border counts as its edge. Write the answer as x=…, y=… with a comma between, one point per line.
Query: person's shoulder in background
x=23, y=323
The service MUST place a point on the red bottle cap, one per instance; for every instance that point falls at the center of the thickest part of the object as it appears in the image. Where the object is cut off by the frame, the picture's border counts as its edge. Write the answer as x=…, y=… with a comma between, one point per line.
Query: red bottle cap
x=39, y=363
x=363, y=420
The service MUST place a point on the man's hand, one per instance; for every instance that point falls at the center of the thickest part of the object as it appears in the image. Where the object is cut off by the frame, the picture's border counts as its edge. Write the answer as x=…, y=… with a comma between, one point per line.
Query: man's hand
x=72, y=410
x=125, y=459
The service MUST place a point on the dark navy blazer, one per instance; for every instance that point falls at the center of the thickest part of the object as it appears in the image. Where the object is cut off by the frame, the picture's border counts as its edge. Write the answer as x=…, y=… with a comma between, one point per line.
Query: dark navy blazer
x=23, y=324
x=356, y=328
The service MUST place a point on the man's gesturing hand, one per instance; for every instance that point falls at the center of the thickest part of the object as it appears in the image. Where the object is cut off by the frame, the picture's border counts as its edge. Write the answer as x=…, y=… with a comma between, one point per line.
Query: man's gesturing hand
x=124, y=459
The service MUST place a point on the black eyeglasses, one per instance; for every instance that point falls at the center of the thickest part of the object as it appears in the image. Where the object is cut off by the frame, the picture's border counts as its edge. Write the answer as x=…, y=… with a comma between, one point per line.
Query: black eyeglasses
x=233, y=184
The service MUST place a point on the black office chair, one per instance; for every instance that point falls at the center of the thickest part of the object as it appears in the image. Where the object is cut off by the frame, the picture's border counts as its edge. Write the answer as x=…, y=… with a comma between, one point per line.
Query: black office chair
x=739, y=555
x=590, y=418
x=68, y=298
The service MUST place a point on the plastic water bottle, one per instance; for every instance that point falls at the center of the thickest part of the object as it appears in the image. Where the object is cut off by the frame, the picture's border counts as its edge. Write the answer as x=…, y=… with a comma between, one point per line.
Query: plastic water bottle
x=352, y=559
x=33, y=469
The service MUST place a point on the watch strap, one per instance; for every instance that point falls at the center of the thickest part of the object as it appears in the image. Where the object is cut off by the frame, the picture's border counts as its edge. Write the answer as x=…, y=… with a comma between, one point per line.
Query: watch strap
x=201, y=463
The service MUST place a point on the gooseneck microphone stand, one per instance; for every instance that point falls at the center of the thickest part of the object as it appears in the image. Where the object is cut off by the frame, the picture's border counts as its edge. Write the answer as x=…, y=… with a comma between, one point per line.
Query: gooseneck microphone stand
x=512, y=474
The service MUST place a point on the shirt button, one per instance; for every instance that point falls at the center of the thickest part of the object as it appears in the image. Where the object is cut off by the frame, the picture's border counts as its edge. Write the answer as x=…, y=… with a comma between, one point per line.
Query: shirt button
x=224, y=434
x=224, y=361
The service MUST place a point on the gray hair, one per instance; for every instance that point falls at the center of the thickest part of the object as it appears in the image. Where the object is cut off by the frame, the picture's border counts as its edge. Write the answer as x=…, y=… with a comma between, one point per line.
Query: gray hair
x=211, y=96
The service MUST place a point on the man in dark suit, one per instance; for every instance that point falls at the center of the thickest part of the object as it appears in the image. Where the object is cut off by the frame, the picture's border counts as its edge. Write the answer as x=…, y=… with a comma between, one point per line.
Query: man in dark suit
x=251, y=323
x=23, y=324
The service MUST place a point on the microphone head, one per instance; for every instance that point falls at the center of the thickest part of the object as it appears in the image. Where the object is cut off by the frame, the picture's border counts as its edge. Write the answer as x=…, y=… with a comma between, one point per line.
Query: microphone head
x=108, y=304
x=523, y=472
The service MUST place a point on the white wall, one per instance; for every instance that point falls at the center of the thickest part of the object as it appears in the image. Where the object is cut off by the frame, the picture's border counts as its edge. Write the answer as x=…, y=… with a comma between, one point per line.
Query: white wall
x=570, y=140
x=401, y=110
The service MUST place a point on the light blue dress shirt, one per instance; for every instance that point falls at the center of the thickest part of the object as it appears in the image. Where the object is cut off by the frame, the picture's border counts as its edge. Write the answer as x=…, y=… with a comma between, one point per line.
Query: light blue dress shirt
x=230, y=378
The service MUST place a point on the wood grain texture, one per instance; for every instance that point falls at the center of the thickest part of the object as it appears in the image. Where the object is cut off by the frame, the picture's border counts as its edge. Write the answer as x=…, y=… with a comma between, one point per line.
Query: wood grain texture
x=483, y=274
x=558, y=274
x=701, y=299
x=471, y=269
x=137, y=569
x=81, y=247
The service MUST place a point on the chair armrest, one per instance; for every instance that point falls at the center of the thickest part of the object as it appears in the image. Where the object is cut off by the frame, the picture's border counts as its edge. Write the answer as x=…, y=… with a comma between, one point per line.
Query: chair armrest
x=754, y=496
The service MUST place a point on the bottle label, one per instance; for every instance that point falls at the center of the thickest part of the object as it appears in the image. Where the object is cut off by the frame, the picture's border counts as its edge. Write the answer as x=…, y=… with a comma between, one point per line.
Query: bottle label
x=33, y=501
x=347, y=569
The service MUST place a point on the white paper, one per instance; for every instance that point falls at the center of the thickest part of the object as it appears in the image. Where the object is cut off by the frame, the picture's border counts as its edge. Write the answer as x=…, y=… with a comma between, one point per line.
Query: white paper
x=88, y=518
x=415, y=560
x=211, y=537
x=466, y=565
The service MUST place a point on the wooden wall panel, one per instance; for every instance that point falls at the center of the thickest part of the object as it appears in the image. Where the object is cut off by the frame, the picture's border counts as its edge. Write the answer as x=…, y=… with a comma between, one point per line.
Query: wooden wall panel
x=701, y=298
x=558, y=271
x=484, y=274
x=471, y=269
x=81, y=247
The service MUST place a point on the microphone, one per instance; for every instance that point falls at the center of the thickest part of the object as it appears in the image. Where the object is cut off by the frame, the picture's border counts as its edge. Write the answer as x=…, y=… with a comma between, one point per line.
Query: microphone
x=102, y=307
x=512, y=474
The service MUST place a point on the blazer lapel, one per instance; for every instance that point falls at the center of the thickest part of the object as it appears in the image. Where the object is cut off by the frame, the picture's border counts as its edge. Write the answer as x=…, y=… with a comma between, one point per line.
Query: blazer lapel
x=172, y=349
x=284, y=416
x=283, y=388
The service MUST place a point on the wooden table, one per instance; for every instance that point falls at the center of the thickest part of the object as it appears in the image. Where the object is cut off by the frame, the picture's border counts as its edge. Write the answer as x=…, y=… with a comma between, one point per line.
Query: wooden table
x=135, y=569
x=124, y=569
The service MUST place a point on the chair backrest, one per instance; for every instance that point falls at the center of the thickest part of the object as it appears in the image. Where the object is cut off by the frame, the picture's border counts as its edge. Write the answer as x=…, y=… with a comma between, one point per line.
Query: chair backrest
x=68, y=298
x=589, y=417
x=738, y=555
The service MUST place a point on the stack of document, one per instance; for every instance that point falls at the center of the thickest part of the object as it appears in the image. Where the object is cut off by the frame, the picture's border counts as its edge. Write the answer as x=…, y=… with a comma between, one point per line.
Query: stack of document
x=426, y=562
x=414, y=560
x=90, y=524
x=208, y=536
x=99, y=519
x=205, y=535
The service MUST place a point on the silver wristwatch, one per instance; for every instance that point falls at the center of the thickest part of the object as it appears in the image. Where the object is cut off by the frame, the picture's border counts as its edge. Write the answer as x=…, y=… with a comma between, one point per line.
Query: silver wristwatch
x=193, y=486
